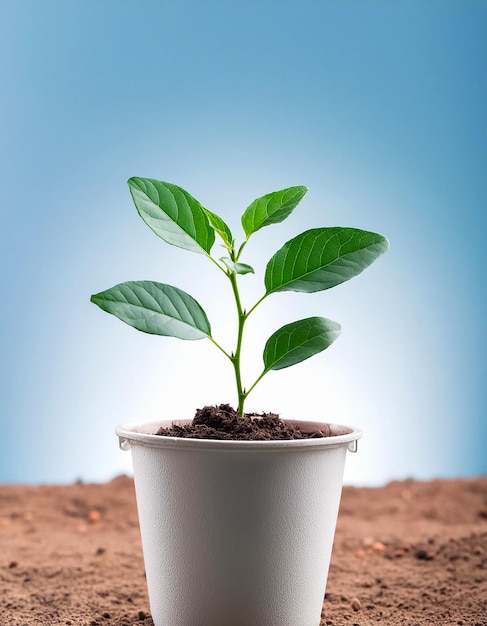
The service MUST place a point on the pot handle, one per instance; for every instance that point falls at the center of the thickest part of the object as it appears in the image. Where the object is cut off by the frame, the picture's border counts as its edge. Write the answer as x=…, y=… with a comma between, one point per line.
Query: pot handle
x=352, y=446
x=124, y=444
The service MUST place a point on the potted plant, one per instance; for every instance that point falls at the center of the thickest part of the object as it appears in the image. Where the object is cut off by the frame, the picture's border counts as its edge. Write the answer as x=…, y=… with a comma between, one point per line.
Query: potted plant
x=238, y=532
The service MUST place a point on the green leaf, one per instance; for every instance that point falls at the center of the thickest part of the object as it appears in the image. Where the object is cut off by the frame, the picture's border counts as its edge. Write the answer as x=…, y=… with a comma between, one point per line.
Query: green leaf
x=155, y=308
x=298, y=341
x=238, y=268
x=172, y=214
x=217, y=223
x=271, y=208
x=321, y=258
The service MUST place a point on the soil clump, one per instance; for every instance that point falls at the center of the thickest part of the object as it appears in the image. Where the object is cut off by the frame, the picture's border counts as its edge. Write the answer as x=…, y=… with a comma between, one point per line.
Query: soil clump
x=223, y=422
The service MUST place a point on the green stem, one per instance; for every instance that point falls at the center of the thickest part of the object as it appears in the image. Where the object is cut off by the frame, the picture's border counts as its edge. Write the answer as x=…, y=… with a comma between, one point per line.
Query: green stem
x=235, y=358
x=240, y=250
x=257, y=304
x=220, y=267
x=258, y=380
x=242, y=316
x=215, y=343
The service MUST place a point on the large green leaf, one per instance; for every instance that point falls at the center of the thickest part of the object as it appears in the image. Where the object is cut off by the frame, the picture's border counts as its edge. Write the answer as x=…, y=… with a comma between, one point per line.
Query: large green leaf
x=272, y=208
x=298, y=341
x=172, y=214
x=155, y=308
x=321, y=258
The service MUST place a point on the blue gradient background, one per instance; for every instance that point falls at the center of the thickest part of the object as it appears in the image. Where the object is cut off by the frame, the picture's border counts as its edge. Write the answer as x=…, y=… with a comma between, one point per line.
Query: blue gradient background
x=378, y=107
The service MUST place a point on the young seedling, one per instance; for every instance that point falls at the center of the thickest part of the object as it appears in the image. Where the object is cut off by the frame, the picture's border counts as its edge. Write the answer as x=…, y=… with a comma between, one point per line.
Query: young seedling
x=315, y=260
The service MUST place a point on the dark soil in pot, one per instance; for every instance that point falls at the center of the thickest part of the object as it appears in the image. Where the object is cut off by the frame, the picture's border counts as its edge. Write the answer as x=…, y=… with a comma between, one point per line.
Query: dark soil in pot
x=223, y=422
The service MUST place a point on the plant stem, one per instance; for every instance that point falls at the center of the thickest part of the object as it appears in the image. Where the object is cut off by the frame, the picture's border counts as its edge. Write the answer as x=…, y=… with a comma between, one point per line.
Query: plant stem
x=215, y=343
x=257, y=381
x=257, y=304
x=223, y=269
x=235, y=358
x=237, y=256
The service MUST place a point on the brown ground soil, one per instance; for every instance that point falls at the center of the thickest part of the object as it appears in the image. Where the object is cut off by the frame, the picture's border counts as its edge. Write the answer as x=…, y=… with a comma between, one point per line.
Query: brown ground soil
x=409, y=553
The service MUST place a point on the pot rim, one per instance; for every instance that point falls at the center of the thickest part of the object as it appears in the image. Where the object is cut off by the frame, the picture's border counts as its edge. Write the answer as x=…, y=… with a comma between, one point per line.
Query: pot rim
x=135, y=433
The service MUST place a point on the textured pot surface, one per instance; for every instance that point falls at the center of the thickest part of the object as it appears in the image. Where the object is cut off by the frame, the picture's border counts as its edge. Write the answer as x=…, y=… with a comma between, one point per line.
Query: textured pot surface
x=237, y=532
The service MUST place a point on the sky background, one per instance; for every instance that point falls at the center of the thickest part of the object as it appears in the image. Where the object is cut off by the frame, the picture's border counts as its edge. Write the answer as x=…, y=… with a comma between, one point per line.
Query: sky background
x=378, y=107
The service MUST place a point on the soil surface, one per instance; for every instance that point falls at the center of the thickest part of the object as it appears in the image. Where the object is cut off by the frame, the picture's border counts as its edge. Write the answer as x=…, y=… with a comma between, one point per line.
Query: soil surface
x=408, y=554
x=223, y=422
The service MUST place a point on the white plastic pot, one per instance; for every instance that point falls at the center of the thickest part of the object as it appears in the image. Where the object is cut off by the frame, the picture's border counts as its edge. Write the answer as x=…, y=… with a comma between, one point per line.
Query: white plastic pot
x=237, y=533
